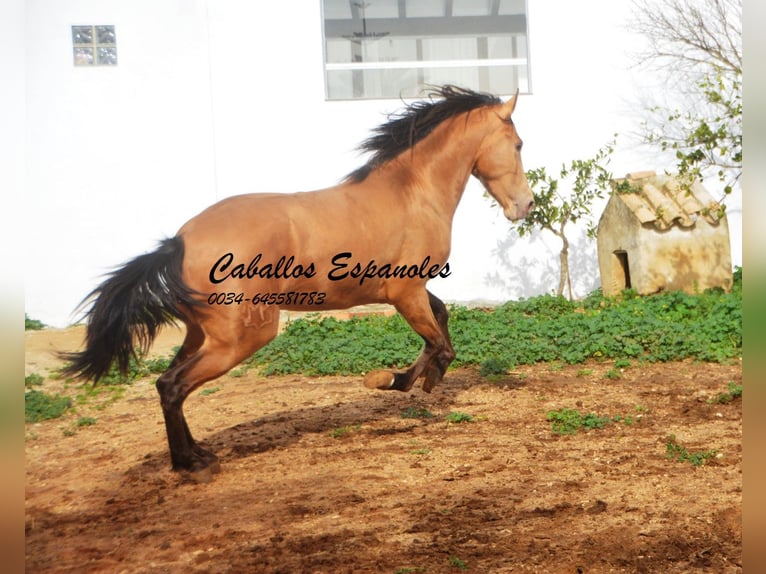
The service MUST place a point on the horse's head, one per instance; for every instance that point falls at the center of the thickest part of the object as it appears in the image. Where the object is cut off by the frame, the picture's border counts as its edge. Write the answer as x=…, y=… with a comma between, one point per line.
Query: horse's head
x=498, y=163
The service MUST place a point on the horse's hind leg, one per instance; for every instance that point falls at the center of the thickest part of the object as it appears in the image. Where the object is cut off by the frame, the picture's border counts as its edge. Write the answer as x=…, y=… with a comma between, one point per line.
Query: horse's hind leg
x=224, y=346
x=193, y=341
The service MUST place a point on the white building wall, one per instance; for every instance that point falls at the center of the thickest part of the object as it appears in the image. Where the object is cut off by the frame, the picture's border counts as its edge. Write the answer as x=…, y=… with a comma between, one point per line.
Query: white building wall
x=212, y=98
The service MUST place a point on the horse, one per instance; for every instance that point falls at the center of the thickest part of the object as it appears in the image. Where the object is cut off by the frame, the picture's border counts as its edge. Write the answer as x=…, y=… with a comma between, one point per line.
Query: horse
x=376, y=237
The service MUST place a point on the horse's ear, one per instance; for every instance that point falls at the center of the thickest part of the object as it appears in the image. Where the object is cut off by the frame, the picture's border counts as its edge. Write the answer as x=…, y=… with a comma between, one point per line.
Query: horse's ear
x=510, y=105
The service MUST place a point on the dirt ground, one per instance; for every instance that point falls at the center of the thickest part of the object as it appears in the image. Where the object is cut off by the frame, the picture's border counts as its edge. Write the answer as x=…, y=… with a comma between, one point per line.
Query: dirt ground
x=321, y=475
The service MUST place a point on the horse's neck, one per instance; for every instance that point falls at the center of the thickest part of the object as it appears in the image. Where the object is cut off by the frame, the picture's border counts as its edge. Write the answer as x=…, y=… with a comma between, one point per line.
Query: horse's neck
x=440, y=165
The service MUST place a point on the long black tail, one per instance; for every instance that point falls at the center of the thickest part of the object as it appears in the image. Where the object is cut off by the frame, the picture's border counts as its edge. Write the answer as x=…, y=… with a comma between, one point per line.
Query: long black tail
x=129, y=307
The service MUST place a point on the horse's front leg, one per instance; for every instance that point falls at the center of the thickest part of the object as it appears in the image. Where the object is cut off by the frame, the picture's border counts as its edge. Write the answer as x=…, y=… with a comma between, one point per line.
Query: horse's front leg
x=441, y=361
x=420, y=311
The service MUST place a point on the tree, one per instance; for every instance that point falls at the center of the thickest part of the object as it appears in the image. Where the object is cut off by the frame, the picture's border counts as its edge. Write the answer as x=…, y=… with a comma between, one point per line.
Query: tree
x=587, y=181
x=697, y=45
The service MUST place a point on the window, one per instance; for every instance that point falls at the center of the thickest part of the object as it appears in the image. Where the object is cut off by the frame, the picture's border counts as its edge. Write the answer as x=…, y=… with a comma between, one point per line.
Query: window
x=395, y=48
x=94, y=45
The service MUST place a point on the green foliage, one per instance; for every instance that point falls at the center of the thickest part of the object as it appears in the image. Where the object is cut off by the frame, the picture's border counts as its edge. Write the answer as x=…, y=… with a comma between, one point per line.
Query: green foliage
x=86, y=421
x=569, y=421
x=493, y=367
x=32, y=324
x=343, y=431
x=737, y=278
x=137, y=369
x=669, y=326
x=734, y=392
x=210, y=391
x=585, y=181
x=33, y=380
x=458, y=417
x=456, y=562
x=678, y=452
x=711, y=140
x=328, y=346
x=416, y=413
x=40, y=406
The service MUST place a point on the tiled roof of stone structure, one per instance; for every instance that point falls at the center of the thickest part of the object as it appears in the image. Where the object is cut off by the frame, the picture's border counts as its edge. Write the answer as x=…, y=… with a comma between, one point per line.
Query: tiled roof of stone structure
x=665, y=201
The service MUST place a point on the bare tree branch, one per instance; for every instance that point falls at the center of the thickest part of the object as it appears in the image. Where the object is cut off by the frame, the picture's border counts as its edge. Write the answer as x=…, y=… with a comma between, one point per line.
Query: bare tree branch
x=690, y=31
x=697, y=45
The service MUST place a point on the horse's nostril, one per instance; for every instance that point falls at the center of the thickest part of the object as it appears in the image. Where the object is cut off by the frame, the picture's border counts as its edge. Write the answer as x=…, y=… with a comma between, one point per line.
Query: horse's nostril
x=531, y=205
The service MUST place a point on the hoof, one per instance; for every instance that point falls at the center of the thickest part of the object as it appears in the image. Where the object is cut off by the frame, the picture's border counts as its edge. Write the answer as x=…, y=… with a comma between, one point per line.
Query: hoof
x=201, y=468
x=382, y=380
x=207, y=459
x=202, y=476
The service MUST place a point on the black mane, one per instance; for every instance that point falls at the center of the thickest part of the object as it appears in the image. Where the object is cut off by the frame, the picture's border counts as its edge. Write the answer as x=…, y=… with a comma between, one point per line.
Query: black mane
x=407, y=127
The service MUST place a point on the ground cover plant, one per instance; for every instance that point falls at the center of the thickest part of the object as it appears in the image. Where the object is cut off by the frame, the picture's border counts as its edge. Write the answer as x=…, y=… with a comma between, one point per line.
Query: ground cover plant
x=42, y=406
x=678, y=452
x=669, y=326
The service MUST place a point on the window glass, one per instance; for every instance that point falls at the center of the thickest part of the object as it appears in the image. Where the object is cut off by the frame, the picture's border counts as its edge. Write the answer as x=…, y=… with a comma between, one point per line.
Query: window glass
x=94, y=45
x=397, y=48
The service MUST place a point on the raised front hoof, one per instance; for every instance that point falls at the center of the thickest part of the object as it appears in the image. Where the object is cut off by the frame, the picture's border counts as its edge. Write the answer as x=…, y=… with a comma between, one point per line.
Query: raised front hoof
x=382, y=380
x=387, y=381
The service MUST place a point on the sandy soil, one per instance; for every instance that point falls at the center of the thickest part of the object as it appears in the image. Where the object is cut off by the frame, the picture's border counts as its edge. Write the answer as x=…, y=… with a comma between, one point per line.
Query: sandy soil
x=320, y=475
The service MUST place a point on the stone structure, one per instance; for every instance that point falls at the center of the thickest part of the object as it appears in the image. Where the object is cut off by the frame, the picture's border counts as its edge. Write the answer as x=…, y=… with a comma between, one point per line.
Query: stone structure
x=658, y=234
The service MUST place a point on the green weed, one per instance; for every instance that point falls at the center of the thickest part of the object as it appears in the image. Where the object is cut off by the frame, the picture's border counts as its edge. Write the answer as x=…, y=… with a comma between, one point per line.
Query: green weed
x=40, y=406
x=678, y=452
x=86, y=421
x=210, y=391
x=456, y=562
x=458, y=417
x=33, y=380
x=569, y=421
x=99, y=396
x=416, y=413
x=343, y=431
x=493, y=367
x=734, y=392
x=137, y=369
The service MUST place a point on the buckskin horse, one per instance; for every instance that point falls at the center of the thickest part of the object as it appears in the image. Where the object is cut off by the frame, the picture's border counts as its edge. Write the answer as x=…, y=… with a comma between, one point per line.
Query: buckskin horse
x=377, y=237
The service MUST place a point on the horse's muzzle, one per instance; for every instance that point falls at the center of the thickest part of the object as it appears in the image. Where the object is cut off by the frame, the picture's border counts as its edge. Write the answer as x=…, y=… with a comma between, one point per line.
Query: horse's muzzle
x=514, y=212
